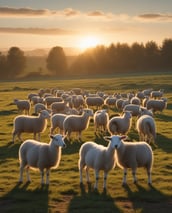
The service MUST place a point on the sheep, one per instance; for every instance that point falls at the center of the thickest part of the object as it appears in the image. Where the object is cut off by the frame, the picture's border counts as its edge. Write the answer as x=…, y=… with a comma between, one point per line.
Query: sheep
x=36, y=99
x=132, y=155
x=23, y=105
x=157, y=94
x=135, y=100
x=51, y=99
x=110, y=101
x=101, y=119
x=133, y=108
x=38, y=107
x=30, y=124
x=97, y=157
x=77, y=123
x=57, y=121
x=146, y=128
x=157, y=105
x=38, y=155
x=58, y=107
x=94, y=101
x=120, y=124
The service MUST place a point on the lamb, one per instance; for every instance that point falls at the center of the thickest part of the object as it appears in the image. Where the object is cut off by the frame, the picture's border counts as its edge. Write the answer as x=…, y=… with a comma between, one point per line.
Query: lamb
x=157, y=105
x=77, y=123
x=39, y=155
x=132, y=155
x=146, y=128
x=97, y=157
x=30, y=124
x=23, y=105
x=120, y=124
x=101, y=119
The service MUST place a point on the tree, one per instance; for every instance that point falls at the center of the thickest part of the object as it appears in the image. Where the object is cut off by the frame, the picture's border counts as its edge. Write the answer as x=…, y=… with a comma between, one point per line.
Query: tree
x=56, y=61
x=166, y=53
x=16, y=62
x=3, y=66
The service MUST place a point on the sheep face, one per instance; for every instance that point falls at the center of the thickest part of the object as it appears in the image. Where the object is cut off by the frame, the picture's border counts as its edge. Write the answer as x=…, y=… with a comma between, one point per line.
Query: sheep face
x=127, y=114
x=89, y=112
x=115, y=140
x=45, y=114
x=58, y=140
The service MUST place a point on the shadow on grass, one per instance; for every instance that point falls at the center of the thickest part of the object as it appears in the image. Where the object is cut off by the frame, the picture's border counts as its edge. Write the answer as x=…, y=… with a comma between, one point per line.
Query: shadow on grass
x=9, y=150
x=149, y=199
x=164, y=143
x=91, y=201
x=22, y=199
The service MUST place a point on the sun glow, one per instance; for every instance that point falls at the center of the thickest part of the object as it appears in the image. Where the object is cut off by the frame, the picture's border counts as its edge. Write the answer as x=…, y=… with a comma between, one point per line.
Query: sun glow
x=88, y=42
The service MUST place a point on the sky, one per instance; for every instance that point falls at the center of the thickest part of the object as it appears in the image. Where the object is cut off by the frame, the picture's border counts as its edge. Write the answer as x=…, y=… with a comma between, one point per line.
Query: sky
x=82, y=24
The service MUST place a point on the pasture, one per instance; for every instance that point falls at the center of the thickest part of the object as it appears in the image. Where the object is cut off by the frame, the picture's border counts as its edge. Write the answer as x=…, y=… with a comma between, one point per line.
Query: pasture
x=64, y=193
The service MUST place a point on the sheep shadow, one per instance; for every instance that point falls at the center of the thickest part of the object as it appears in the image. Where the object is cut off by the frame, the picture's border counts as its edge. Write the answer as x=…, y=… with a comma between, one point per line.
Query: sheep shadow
x=22, y=199
x=9, y=150
x=149, y=199
x=164, y=143
x=92, y=201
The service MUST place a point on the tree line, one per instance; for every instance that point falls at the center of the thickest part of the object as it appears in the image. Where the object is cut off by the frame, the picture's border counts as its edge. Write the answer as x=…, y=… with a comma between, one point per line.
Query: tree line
x=116, y=58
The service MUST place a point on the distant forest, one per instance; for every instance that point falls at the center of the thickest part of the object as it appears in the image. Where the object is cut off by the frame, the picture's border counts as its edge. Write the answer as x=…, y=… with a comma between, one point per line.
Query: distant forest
x=100, y=60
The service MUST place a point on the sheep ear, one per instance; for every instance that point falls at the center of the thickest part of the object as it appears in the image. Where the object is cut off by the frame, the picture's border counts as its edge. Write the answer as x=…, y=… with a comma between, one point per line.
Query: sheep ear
x=107, y=138
x=123, y=137
x=51, y=136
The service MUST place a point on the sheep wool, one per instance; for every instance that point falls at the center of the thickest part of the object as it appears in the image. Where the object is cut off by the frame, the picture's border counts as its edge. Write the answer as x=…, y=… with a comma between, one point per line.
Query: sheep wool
x=30, y=124
x=97, y=157
x=132, y=155
x=38, y=155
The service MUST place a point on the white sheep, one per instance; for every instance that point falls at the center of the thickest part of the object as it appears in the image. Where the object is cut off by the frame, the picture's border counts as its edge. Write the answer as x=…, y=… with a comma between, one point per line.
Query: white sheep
x=39, y=107
x=58, y=107
x=157, y=105
x=101, y=119
x=132, y=155
x=23, y=105
x=146, y=128
x=77, y=123
x=94, y=101
x=30, y=124
x=39, y=155
x=120, y=124
x=57, y=122
x=157, y=94
x=97, y=157
x=133, y=108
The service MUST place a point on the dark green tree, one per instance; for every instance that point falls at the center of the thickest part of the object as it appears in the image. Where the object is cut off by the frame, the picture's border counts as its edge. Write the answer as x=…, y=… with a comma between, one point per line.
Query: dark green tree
x=16, y=62
x=3, y=66
x=166, y=54
x=56, y=61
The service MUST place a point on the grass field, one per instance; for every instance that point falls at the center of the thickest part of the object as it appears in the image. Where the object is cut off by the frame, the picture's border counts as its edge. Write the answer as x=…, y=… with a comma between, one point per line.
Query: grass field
x=64, y=193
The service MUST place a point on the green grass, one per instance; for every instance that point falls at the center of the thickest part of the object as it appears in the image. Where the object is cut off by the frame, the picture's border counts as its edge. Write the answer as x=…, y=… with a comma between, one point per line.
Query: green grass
x=64, y=193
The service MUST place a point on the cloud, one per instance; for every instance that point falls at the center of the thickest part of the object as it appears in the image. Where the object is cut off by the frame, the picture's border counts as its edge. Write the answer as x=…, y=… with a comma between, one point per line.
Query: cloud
x=8, y=11
x=155, y=17
x=36, y=31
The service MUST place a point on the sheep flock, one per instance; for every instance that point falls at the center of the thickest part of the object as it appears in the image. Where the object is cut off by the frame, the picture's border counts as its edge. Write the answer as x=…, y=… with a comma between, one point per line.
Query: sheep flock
x=109, y=116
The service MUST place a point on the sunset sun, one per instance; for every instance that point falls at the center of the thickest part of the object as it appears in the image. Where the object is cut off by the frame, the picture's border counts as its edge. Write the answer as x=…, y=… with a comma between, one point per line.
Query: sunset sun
x=88, y=42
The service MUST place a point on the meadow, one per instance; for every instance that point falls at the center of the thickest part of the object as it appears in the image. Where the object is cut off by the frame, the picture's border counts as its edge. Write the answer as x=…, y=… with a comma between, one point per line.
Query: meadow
x=64, y=193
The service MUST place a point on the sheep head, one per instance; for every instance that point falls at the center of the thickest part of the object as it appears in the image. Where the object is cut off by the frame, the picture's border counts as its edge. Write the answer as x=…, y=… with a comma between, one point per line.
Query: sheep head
x=58, y=140
x=115, y=140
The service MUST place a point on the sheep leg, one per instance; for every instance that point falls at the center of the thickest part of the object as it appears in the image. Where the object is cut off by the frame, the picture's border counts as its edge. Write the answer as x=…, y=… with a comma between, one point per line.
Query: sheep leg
x=87, y=174
x=21, y=174
x=79, y=135
x=27, y=174
x=124, y=181
x=42, y=176
x=134, y=175
x=19, y=136
x=97, y=178
x=105, y=178
x=47, y=176
x=149, y=176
